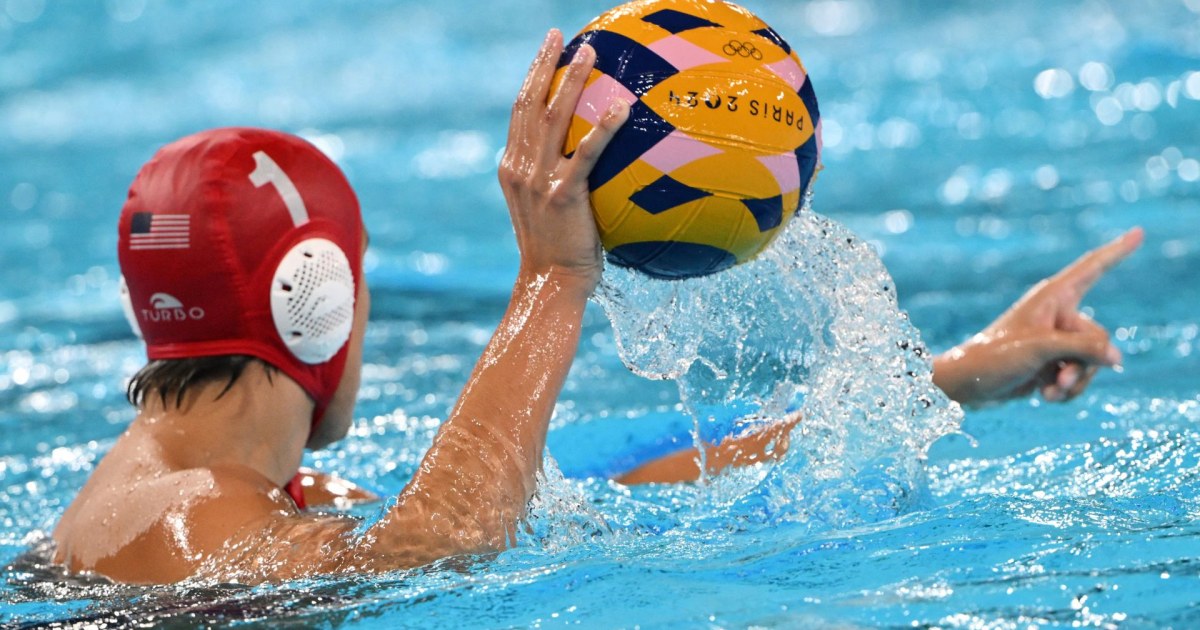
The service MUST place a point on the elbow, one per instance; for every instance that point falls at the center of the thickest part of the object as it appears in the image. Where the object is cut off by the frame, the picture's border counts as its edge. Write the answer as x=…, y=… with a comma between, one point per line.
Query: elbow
x=474, y=488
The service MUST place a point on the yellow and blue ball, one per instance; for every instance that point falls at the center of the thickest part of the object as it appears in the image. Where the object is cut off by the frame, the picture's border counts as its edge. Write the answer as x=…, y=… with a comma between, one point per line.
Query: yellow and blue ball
x=722, y=142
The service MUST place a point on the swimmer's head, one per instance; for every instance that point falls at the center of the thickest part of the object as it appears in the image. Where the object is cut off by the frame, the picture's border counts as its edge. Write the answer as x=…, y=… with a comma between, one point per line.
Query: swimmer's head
x=245, y=242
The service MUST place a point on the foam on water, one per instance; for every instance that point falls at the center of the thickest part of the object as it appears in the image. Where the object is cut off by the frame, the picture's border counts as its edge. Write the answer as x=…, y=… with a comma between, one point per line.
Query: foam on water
x=811, y=325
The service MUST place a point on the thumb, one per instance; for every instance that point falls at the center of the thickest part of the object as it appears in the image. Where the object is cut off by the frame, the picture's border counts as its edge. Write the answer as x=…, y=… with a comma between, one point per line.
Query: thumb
x=1088, y=346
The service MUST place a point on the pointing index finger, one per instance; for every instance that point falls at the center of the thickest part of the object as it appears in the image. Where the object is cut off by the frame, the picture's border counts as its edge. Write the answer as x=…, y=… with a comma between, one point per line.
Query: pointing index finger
x=1090, y=267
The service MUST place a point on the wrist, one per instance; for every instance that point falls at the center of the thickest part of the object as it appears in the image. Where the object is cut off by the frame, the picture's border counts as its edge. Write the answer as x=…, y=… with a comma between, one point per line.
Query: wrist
x=578, y=284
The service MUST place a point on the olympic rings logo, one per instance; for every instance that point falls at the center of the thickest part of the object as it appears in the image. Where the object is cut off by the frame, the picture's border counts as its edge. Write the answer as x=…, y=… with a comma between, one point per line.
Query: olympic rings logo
x=742, y=49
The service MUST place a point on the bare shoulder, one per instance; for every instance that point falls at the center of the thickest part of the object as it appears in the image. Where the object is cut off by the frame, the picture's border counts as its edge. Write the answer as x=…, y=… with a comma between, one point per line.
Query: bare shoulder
x=231, y=524
x=225, y=523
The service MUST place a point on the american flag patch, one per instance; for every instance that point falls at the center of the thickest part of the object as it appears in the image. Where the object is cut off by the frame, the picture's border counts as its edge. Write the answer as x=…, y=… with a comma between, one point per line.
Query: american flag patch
x=159, y=231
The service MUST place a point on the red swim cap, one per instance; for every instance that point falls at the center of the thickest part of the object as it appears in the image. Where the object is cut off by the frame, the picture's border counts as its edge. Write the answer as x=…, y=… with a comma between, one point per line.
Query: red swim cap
x=244, y=241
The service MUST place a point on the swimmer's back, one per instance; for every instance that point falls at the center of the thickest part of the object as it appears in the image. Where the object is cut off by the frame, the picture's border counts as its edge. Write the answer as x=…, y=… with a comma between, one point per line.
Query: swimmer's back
x=141, y=520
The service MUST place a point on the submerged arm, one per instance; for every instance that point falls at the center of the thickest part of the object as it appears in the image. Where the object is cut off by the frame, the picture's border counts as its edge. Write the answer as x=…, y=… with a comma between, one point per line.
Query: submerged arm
x=767, y=444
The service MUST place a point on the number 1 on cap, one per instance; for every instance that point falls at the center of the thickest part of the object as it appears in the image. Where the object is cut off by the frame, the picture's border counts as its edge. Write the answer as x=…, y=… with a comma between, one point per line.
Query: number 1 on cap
x=266, y=171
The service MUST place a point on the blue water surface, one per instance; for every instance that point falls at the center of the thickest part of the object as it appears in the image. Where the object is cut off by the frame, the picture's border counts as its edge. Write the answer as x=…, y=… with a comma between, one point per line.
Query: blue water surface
x=977, y=146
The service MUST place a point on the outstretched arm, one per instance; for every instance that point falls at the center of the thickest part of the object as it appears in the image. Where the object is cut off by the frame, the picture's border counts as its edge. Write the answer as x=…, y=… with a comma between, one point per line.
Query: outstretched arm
x=474, y=484
x=1042, y=343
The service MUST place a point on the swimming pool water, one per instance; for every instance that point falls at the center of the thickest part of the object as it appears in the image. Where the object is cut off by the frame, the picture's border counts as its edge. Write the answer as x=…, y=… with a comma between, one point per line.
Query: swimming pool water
x=977, y=146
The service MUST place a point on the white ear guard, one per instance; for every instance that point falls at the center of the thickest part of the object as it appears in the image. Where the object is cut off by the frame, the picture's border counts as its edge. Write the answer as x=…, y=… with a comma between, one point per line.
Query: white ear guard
x=312, y=300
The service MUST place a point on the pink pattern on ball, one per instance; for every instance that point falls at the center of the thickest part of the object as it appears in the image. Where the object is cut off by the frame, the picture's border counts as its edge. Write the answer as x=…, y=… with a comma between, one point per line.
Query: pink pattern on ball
x=597, y=97
x=785, y=170
x=677, y=150
x=790, y=71
x=683, y=54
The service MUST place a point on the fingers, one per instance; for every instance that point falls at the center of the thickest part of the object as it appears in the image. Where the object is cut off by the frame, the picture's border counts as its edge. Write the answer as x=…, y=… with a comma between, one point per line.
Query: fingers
x=1088, y=326
x=1073, y=358
x=1089, y=347
x=531, y=100
x=562, y=107
x=1083, y=378
x=1079, y=346
x=593, y=144
x=1052, y=393
x=1075, y=322
x=1087, y=269
x=1070, y=373
x=1072, y=376
x=1068, y=380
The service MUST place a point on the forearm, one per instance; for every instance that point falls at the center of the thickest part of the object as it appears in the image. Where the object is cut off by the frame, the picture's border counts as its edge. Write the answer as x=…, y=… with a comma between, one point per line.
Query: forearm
x=986, y=368
x=767, y=444
x=952, y=373
x=473, y=486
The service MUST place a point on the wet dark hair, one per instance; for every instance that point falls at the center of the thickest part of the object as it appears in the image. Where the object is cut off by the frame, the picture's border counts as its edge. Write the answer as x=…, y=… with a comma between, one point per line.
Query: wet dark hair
x=172, y=378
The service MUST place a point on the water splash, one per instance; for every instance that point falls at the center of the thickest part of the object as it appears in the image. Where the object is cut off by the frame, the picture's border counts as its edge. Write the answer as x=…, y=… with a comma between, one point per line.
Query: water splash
x=560, y=515
x=811, y=325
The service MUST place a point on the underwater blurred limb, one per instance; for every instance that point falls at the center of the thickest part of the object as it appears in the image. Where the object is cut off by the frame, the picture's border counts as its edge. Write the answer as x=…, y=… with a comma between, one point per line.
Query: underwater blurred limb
x=766, y=444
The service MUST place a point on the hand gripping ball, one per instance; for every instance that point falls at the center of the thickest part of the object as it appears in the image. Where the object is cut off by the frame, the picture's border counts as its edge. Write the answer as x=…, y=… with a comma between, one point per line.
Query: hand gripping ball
x=722, y=141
